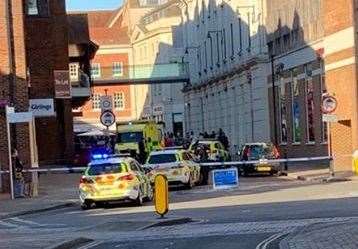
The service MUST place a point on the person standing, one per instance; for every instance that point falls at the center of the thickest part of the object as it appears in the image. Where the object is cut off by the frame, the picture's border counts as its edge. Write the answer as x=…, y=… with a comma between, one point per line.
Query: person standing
x=18, y=175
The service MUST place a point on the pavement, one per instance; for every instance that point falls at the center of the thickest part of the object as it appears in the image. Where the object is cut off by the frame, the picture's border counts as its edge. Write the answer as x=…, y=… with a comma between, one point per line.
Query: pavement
x=55, y=191
x=336, y=235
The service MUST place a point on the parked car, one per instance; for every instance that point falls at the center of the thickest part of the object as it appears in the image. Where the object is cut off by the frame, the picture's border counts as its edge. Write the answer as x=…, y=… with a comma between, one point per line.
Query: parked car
x=215, y=150
x=177, y=165
x=261, y=152
x=114, y=178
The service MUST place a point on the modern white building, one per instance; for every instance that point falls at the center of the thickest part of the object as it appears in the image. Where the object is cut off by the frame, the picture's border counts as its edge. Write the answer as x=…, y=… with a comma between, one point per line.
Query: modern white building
x=227, y=54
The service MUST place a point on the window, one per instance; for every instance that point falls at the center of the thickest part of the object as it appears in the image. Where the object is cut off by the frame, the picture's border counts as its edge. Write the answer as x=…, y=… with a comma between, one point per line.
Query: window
x=283, y=112
x=186, y=156
x=32, y=8
x=286, y=42
x=117, y=69
x=96, y=102
x=103, y=169
x=310, y=111
x=119, y=100
x=37, y=8
x=96, y=70
x=162, y=158
x=74, y=71
x=296, y=111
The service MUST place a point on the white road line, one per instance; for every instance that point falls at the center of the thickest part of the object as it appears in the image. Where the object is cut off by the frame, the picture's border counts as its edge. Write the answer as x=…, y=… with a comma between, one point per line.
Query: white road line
x=91, y=245
x=27, y=222
x=10, y=225
x=266, y=242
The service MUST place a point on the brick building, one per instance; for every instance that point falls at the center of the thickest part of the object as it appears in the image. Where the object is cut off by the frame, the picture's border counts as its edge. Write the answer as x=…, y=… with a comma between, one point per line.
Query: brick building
x=46, y=41
x=109, y=70
x=33, y=45
x=313, y=47
x=13, y=83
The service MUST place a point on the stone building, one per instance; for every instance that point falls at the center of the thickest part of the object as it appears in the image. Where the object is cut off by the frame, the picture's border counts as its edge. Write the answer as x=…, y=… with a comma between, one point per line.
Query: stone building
x=227, y=54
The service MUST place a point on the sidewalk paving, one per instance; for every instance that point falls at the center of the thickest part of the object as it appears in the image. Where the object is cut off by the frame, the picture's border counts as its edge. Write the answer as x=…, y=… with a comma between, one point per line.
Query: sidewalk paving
x=319, y=172
x=55, y=191
x=323, y=236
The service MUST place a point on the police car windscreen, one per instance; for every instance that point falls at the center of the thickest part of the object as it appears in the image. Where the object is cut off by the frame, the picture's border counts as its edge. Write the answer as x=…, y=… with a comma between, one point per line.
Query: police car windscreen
x=162, y=158
x=130, y=137
x=102, y=169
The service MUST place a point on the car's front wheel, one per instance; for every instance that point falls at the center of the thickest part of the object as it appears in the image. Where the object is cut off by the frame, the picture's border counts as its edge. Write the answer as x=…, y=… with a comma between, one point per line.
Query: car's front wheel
x=139, y=200
x=149, y=194
x=190, y=183
x=87, y=204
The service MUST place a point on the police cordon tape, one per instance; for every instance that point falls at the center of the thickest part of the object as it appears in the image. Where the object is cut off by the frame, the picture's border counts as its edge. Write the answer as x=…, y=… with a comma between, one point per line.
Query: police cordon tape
x=208, y=164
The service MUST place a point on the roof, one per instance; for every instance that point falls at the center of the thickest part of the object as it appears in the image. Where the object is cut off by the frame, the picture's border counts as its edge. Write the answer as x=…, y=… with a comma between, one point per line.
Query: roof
x=165, y=152
x=130, y=128
x=208, y=141
x=111, y=160
x=106, y=27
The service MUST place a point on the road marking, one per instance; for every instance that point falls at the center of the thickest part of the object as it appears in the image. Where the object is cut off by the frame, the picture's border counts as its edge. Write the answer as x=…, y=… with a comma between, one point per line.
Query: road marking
x=269, y=240
x=91, y=245
x=27, y=222
x=10, y=225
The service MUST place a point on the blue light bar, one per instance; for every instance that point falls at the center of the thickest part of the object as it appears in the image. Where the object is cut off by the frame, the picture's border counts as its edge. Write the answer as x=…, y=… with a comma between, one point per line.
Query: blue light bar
x=99, y=156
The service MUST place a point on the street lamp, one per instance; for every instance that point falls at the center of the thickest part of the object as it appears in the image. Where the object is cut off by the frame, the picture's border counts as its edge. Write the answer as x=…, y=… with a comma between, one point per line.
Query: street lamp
x=275, y=70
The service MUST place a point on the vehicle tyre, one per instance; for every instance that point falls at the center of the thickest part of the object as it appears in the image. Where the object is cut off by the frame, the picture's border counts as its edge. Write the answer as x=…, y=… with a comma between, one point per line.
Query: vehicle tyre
x=204, y=175
x=86, y=205
x=190, y=183
x=139, y=200
x=244, y=173
x=150, y=195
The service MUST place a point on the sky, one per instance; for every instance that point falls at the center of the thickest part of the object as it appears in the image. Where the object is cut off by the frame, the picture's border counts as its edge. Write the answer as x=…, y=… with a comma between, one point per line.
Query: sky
x=76, y=5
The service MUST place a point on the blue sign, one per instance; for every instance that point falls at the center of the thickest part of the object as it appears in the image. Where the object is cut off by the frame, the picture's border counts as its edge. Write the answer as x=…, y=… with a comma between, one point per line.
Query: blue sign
x=225, y=178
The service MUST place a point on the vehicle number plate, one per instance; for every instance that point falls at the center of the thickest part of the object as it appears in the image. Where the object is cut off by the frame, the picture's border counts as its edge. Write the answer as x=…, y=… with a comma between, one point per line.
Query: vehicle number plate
x=263, y=169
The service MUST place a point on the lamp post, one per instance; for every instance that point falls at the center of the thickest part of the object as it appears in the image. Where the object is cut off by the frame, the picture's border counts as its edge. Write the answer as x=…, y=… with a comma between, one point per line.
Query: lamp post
x=275, y=70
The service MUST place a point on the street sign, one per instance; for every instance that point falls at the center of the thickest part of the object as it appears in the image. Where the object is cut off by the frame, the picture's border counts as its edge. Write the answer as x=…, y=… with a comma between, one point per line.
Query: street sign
x=225, y=178
x=331, y=118
x=62, y=84
x=42, y=107
x=108, y=118
x=329, y=104
x=106, y=103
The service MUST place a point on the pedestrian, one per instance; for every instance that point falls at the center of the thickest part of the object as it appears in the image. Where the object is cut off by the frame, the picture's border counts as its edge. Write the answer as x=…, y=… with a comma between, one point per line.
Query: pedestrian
x=206, y=135
x=18, y=177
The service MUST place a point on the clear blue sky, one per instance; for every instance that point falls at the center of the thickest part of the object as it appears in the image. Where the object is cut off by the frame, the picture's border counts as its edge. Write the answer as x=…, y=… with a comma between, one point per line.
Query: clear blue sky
x=75, y=5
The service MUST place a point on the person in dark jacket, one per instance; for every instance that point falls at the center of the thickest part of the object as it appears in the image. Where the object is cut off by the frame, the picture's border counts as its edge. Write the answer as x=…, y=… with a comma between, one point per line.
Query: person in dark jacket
x=17, y=168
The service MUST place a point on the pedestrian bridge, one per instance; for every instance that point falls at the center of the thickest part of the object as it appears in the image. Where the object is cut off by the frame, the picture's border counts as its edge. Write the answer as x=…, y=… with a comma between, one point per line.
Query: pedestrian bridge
x=166, y=73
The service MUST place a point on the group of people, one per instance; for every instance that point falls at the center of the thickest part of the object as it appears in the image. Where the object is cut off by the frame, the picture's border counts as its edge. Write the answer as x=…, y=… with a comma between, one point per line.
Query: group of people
x=171, y=140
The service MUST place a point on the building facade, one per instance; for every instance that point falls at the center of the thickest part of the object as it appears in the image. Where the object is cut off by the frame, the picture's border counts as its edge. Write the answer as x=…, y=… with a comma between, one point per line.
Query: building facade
x=109, y=70
x=46, y=43
x=157, y=42
x=295, y=39
x=227, y=54
x=13, y=72
x=302, y=37
x=34, y=45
